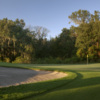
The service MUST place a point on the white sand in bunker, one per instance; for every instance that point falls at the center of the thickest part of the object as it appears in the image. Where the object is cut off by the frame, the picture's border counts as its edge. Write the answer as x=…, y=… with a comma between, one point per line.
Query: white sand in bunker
x=16, y=76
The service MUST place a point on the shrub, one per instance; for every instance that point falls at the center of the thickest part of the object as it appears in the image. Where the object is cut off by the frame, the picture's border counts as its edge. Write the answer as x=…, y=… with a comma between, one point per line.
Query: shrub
x=21, y=60
x=6, y=60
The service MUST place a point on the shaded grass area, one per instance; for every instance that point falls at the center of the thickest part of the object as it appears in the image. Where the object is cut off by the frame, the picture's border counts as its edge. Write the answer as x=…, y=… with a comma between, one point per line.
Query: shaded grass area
x=79, y=89
x=82, y=83
x=27, y=90
x=85, y=87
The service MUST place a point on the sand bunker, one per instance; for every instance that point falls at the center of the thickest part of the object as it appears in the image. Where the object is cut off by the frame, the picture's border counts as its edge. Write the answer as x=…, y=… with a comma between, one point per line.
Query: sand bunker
x=15, y=76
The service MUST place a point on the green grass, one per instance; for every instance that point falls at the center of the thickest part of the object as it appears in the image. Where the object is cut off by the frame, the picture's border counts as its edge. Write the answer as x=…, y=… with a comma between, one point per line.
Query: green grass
x=82, y=83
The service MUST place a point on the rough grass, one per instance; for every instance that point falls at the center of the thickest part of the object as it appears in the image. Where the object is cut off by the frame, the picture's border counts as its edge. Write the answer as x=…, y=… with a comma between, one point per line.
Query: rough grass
x=82, y=83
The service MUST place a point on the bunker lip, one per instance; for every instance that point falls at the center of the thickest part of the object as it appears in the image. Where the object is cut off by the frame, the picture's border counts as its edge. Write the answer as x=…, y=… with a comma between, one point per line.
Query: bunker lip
x=16, y=76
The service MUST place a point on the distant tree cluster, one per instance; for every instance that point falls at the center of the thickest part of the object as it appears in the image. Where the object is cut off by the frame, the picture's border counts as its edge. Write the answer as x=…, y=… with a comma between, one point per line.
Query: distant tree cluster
x=30, y=45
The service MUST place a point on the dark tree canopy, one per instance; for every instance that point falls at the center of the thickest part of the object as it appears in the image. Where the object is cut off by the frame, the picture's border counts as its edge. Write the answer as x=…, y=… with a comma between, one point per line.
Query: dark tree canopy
x=19, y=44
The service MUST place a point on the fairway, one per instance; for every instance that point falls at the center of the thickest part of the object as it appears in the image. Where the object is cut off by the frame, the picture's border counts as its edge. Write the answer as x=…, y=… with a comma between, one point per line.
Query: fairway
x=82, y=83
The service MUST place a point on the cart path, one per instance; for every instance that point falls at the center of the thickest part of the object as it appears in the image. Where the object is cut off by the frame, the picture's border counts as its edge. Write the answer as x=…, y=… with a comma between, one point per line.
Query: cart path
x=17, y=76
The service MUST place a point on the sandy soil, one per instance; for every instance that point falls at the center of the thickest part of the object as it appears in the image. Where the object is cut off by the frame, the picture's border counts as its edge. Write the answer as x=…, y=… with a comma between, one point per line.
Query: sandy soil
x=15, y=76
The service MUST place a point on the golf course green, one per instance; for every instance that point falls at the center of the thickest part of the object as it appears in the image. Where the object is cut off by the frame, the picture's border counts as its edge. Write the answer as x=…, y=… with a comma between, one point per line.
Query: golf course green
x=81, y=83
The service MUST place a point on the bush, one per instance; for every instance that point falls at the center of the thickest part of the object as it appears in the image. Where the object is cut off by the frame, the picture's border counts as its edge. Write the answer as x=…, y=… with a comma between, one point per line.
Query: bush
x=21, y=60
x=72, y=60
x=51, y=60
x=6, y=60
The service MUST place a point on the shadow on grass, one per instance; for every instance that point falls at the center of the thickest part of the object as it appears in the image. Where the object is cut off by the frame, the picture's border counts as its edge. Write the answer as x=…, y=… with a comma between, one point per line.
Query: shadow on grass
x=80, y=82
x=76, y=83
x=30, y=90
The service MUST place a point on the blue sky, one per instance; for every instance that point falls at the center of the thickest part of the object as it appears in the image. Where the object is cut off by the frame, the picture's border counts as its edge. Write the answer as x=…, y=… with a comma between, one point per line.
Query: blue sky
x=52, y=14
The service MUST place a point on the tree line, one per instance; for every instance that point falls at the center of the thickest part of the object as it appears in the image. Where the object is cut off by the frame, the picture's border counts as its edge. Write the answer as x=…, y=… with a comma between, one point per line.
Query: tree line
x=30, y=45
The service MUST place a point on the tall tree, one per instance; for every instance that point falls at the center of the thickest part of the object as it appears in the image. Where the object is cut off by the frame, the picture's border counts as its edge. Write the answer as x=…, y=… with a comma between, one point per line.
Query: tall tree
x=63, y=45
x=80, y=16
x=87, y=33
x=87, y=40
x=40, y=34
x=13, y=39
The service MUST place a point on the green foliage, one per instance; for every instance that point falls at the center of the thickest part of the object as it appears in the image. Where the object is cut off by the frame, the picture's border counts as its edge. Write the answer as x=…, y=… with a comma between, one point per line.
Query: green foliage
x=84, y=16
x=80, y=16
x=63, y=46
x=87, y=40
x=49, y=60
x=7, y=60
x=81, y=53
x=14, y=40
x=72, y=60
x=30, y=45
x=21, y=60
x=57, y=60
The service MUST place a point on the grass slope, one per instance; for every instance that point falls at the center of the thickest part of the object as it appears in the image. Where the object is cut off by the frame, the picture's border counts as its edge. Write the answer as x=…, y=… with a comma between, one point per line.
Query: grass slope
x=82, y=83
